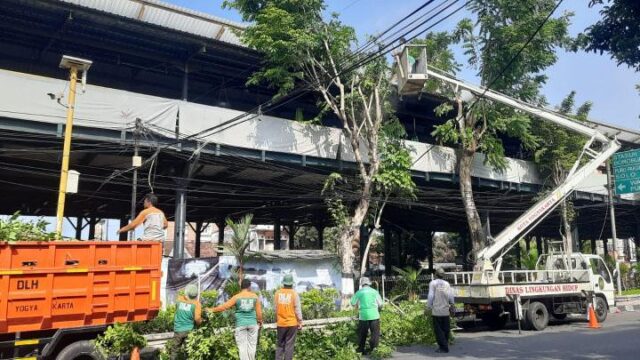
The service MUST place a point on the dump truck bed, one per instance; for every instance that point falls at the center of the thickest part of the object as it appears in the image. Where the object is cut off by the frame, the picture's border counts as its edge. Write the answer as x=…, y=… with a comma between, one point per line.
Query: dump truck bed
x=63, y=284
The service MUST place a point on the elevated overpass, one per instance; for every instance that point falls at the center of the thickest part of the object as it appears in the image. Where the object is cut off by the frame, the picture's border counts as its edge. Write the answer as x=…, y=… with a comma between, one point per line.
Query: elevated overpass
x=181, y=72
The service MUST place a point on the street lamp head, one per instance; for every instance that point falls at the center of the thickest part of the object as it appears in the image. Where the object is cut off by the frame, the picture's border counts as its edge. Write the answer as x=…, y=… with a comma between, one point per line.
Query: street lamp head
x=79, y=64
x=70, y=61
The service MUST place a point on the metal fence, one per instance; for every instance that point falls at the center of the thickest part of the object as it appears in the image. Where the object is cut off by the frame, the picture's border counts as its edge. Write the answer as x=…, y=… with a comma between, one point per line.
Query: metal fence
x=391, y=287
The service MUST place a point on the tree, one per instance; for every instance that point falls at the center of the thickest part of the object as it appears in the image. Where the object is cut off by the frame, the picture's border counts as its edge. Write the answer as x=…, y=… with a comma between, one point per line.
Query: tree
x=240, y=241
x=557, y=155
x=495, y=47
x=300, y=47
x=409, y=284
x=617, y=33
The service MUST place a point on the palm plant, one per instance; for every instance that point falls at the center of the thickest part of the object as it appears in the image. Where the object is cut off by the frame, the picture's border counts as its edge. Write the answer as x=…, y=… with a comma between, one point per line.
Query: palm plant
x=529, y=259
x=409, y=283
x=240, y=241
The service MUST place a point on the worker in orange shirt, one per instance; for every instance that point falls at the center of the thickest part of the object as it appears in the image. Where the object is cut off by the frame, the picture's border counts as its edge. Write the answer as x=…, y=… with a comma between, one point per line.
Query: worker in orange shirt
x=288, y=318
x=153, y=218
x=248, y=312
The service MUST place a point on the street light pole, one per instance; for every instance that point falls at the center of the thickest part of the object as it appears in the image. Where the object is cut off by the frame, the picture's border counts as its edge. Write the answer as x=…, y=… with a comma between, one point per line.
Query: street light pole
x=134, y=186
x=614, y=233
x=73, y=64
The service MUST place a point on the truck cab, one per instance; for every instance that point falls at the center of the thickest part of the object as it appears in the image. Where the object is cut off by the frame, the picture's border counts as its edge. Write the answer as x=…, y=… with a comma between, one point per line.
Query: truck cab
x=582, y=267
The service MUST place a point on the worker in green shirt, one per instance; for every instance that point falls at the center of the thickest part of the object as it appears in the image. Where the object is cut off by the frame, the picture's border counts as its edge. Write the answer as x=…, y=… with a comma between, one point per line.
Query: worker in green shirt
x=188, y=315
x=368, y=303
x=248, y=309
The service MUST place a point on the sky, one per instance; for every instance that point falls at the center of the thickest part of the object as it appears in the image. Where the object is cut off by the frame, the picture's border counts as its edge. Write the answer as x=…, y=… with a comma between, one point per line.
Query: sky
x=595, y=77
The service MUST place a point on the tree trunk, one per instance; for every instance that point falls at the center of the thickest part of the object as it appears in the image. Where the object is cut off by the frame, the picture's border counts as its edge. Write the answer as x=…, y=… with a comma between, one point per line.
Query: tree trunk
x=476, y=232
x=566, y=229
x=347, y=237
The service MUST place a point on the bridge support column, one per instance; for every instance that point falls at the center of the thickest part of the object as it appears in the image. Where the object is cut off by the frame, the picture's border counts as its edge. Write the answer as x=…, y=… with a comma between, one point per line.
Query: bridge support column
x=430, y=250
x=123, y=222
x=79, y=228
x=277, y=240
x=179, y=222
x=198, y=231
x=92, y=228
x=292, y=230
x=320, y=230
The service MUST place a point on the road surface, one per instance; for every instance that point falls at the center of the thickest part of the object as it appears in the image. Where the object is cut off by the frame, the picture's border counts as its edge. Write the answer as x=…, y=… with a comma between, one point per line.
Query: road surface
x=619, y=338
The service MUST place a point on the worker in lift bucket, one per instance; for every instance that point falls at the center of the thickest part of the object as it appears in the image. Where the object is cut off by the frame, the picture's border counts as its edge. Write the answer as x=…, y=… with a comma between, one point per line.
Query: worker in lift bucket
x=188, y=316
x=153, y=219
x=440, y=300
x=368, y=303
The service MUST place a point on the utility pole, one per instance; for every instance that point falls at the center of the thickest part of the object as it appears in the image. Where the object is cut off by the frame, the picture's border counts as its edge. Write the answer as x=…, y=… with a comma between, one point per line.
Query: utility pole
x=136, y=163
x=614, y=234
x=74, y=65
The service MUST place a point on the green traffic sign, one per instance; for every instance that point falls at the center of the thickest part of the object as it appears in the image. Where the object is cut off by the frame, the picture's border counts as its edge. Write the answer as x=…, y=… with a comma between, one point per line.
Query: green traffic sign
x=626, y=172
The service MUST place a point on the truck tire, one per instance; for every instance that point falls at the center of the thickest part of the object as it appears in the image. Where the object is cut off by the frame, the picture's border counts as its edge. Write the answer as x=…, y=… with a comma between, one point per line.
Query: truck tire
x=537, y=316
x=80, y=350
x=601, y=309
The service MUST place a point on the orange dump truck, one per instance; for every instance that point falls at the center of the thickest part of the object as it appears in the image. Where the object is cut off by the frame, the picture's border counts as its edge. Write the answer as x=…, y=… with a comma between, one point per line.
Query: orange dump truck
x=55, y=297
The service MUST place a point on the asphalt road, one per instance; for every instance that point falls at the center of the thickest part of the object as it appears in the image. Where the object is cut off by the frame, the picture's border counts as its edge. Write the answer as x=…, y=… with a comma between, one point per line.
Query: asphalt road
x=619, y=338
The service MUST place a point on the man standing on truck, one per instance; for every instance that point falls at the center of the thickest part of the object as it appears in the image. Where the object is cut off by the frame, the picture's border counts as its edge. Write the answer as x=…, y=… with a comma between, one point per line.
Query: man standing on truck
x=248, y=312
x=288, y=318
x=188, y=315
x=440, y=300
x=368, y=303
x=153, y=218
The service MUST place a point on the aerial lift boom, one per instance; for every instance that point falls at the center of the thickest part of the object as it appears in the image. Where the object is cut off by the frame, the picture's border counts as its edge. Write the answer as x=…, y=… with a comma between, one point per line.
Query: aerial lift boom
x=598, y=149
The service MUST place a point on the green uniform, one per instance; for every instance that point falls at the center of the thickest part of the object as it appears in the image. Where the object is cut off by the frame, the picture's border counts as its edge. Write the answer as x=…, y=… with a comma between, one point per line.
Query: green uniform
x=247, y=308
x=185, y=316
x=368, y=301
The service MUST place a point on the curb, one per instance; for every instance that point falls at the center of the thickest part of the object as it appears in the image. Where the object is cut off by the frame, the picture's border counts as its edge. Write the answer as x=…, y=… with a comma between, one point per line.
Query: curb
x=624, y=308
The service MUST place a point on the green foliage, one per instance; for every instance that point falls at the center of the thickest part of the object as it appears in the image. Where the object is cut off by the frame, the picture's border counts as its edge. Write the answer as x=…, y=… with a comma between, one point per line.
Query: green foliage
x=14, y=229
x=209, y=298
x=408, y=325
x=163, y=322
x=528, y=260
x=403, y=325
x=240, y=240
x=318, y=303
x=616, y=33
x=394, y=176
x=501, y=30
x=409, y=285
x=445, y=247
x=631, y=292
x=383, y=351
x=560, y=150
x=119, y=339
x=290, y=33
x=334, y=199
x=232, y=286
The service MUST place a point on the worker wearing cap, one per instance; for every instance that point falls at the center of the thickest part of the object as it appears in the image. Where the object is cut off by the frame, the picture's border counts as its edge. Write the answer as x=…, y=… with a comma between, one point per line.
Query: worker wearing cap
x=248, y=312
x=188, y=315
x=439, y=300
x=288, y=318
x=367, y=302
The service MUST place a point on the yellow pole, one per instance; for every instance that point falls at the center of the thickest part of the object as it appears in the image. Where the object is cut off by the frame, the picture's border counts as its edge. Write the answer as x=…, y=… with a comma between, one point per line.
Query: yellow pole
x=64, y=171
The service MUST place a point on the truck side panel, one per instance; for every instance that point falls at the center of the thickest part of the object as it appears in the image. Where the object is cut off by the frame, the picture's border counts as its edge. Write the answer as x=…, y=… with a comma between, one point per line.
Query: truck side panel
x=53, y=285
